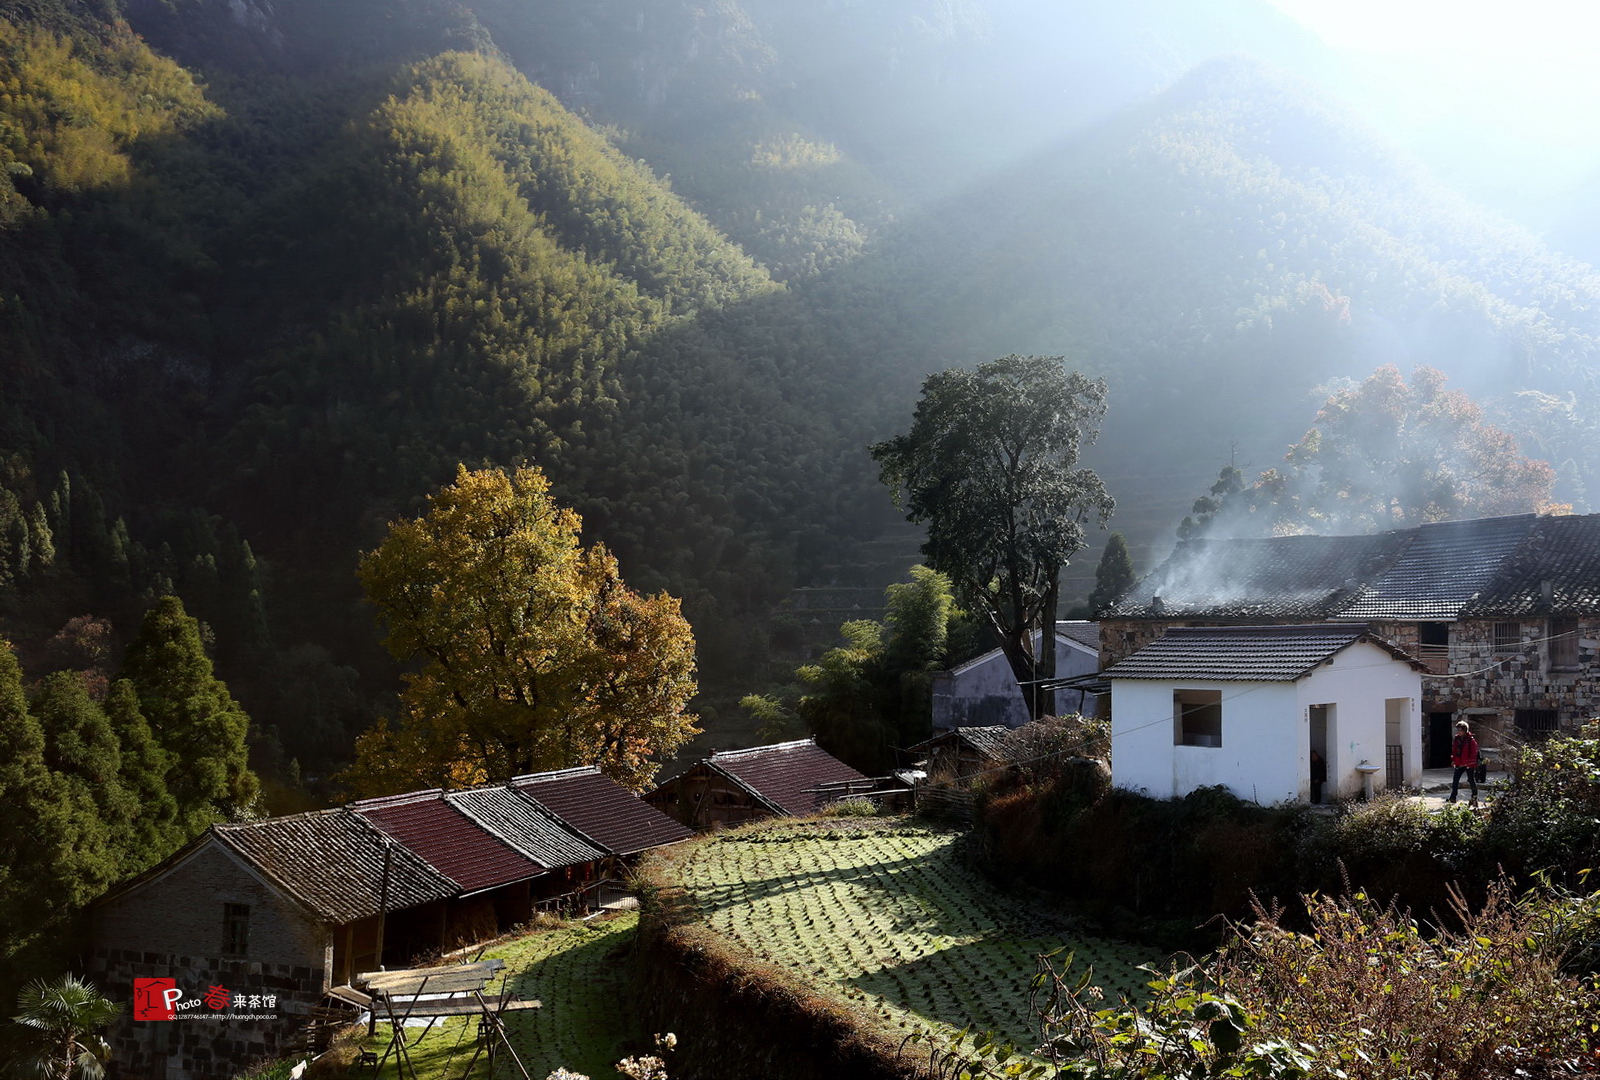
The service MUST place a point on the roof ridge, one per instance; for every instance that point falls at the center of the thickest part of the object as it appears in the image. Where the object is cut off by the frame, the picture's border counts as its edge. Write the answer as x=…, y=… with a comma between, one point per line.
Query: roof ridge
x=402, y=799
x=232, y=826
x=551, y=774
x=791, y=745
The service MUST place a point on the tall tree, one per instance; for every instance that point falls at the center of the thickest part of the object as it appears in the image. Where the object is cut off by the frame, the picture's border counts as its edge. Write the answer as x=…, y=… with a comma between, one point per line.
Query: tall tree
x=81, y=748
x=1113, y=576
x=533, y=654
x=193, y=716
x=154, y=828
x=989, y=466
x=1381, y=454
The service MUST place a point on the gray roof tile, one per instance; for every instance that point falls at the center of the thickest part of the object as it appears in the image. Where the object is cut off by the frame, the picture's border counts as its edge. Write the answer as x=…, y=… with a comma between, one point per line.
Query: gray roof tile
x=1441, y=569
x=1278, y=577
x=602, y=809
x=1244, y=653
x=526, y=826
x=333, y=862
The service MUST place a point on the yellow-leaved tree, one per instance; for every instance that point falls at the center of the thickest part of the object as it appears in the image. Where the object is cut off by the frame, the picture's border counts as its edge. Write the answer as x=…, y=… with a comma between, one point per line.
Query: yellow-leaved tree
x=528, y=650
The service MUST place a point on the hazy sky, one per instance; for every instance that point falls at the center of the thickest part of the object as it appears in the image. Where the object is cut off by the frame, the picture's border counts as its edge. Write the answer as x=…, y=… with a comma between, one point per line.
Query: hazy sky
x=1500, y=98
x=1531, y=27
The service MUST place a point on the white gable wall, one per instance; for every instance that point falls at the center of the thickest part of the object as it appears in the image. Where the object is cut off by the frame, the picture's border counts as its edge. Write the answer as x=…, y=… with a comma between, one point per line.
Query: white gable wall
x=1266, y=731
x=984, y=691
x=1360, y=681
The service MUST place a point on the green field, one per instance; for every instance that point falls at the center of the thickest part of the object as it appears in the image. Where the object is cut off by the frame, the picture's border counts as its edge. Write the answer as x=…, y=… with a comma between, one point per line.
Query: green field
x=886, y=912
x=583, y=973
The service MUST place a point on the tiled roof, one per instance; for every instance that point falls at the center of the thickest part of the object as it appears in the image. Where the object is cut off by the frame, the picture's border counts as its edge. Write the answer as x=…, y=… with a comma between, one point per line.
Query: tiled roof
x=1085, y=633
x=1278, y=577
x=989, y=740
x=1486, y=568
x=1442, y=567
x=450, y=841
x=1563, y=551
x=333, y=862
x=526, y=826
x=1244, y=653
x=785, y=775
x=602, y=809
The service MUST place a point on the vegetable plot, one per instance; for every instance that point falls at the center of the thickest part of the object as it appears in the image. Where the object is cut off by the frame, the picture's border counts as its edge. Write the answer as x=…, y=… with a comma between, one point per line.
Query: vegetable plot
x=887, y=912
x=582, y=973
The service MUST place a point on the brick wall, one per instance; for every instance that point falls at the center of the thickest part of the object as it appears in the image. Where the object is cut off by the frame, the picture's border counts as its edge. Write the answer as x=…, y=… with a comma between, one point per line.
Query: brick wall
x=171, y=926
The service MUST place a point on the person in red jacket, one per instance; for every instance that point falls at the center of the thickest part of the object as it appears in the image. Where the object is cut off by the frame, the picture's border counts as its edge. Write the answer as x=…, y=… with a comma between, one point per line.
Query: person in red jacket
x=1464, y=756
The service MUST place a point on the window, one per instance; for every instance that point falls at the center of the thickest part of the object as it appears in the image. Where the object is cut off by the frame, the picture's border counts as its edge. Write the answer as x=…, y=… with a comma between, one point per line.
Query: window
x=1197, y=717
x=1563, y=644
x=1507, y=637
x=235, y=929
x=1535, y=725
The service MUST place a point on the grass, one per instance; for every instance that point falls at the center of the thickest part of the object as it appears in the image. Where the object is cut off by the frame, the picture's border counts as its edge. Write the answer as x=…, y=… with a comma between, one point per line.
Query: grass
x=886, y=915
x=582, y=972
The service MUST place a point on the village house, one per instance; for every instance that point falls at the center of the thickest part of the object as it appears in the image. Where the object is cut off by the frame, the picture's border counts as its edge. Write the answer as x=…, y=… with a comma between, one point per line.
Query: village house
x=962, y=752
x=273, y=909
x=792, y=779
x=275, y=913
x=603, y=812
x=1267, y=712
x=1504, y=612
x=983, y=692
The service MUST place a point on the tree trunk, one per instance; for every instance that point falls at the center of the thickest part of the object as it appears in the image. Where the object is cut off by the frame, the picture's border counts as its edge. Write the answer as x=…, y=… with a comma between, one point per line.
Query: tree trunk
x=1044, y=701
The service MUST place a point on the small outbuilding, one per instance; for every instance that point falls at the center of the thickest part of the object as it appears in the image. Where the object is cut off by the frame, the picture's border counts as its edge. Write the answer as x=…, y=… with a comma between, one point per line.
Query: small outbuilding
x=1276, y=714
x=791, y=779
x=962, y=752
x=983, y=692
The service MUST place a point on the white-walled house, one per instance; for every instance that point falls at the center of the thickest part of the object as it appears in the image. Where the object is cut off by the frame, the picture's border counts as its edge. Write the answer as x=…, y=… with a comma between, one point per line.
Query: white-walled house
x=983, y=692
x=1244, y=707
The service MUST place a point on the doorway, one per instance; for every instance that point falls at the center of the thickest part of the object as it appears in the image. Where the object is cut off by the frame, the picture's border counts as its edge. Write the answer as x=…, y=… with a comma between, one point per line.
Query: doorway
x=1321, y=767
x=1438, y=753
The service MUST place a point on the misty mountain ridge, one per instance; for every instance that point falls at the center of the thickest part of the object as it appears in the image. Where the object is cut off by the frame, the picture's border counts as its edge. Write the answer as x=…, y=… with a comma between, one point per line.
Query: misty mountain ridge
x=353, y=259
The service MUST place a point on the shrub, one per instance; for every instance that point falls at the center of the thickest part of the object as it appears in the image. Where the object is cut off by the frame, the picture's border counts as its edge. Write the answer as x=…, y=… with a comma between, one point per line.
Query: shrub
x=1368, y=993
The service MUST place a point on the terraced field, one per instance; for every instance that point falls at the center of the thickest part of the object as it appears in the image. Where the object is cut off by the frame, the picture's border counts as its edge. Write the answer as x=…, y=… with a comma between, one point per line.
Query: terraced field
x=582, y=973
x=885, y=912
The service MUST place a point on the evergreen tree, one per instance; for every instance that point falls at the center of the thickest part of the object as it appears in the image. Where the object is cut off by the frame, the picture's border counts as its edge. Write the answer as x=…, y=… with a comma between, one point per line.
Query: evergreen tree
x=193, y=716
x=154, y=829
x=80, y=749
x=25, y=790
x=1113, y=576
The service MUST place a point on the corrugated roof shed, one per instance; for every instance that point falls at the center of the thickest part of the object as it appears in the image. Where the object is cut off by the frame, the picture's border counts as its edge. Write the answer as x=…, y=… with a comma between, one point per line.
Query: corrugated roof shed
x=1441, y=569
x=602, y=809
x=449, y=840
x=1244, y=653
x=333, y=862
x=1277, y=577
x=526, y=826
x=1561, y=551
x=784, y=774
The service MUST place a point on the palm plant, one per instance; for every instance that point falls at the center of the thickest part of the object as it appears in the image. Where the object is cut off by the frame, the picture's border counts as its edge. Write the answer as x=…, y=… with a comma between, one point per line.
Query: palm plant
x=62, y=1041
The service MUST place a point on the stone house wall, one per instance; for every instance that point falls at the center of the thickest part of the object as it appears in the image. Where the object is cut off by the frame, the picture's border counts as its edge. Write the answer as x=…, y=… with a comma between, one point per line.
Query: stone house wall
x=171, y=926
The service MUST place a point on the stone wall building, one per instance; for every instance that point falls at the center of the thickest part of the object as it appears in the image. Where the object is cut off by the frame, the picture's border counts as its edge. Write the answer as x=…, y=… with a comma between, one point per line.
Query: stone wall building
x=1505, y=612
x=272, y=914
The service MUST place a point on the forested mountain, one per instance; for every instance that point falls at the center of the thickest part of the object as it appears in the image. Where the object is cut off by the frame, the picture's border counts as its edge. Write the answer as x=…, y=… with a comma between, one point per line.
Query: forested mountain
x=270, y=271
